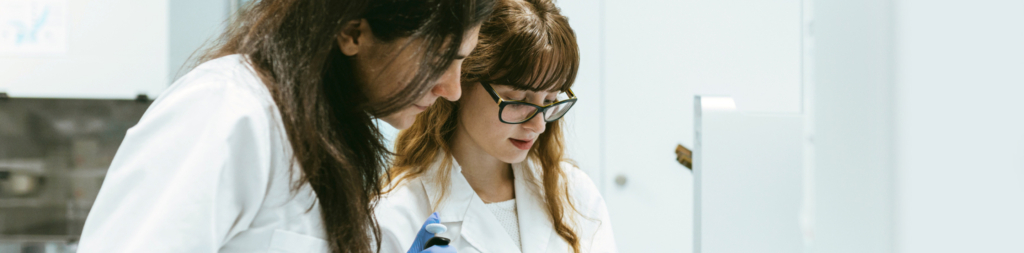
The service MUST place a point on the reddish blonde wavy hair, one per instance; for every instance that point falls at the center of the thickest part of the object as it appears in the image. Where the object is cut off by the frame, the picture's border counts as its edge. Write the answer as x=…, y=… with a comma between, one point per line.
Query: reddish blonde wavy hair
x=526, y=44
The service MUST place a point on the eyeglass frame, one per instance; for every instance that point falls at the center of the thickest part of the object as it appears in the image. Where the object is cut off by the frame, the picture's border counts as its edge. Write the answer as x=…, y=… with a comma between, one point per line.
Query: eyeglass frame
x=540, y=109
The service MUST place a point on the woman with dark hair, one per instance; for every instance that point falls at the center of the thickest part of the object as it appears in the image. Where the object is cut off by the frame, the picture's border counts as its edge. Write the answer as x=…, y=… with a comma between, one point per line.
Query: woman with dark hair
x=492, y=164
x=270, y=144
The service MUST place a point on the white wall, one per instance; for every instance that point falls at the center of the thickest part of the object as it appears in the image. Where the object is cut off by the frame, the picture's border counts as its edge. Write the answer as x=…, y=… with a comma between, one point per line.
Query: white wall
x=960, y=126
x=918, y=117
x=584, y=125
x=114, y=49
x=193, y=23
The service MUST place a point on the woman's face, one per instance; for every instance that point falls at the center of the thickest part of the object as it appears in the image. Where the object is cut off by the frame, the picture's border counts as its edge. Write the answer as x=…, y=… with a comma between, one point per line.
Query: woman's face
x=385, y=72
x=478, y=120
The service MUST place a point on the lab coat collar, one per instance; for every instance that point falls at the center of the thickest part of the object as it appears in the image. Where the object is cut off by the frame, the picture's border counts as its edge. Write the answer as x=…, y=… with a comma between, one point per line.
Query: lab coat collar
x=534, y=223
x=460, y=194
x=480, y=227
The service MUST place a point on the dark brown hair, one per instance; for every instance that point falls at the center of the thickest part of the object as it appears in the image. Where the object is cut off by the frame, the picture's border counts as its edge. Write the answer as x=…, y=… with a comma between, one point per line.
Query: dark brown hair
x=526, y=44
x=292, y=45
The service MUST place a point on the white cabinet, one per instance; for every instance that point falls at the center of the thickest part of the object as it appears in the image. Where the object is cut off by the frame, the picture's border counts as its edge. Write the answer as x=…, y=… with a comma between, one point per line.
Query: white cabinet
x=749, y=177
x=110, y=49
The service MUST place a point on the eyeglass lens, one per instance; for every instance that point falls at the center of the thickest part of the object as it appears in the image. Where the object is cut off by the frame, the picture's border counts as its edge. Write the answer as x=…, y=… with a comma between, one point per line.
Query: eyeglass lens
x=557, y=111
x=516, y=113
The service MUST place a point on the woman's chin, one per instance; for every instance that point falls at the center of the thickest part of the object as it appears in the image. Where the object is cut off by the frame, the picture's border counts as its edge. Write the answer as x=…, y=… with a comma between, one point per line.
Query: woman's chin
x=515, y=156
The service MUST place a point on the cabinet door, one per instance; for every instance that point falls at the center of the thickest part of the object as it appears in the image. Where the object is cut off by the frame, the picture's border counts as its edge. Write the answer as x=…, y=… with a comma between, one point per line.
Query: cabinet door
x=83, y=49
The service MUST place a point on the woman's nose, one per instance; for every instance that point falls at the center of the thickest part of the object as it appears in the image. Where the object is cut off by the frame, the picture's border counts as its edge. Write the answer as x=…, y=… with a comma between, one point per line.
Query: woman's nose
x=450, y=85
x=536, y=124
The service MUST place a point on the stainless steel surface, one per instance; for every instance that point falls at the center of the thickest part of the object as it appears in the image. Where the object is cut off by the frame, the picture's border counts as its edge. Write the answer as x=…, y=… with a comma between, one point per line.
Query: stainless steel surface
x=54, y=154
x=21, y=178
x=39, y=244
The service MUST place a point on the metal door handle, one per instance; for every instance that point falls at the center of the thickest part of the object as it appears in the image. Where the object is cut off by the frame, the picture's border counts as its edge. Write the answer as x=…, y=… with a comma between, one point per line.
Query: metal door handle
x=621, y=180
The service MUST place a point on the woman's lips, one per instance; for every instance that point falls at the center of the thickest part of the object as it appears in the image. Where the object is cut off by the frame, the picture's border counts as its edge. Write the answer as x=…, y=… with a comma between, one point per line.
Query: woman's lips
x=521, y=144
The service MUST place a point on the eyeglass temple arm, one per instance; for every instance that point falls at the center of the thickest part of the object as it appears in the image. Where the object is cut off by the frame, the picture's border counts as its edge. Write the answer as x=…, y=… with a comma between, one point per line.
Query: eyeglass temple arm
x=490, y=91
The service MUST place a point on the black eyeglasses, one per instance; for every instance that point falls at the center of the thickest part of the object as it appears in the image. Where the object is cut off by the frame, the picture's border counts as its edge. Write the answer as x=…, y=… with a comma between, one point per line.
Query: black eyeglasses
x=518, y=112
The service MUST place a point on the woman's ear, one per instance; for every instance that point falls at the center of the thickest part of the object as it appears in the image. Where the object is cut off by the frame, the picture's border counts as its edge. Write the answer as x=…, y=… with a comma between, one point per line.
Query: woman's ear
x=355, y=36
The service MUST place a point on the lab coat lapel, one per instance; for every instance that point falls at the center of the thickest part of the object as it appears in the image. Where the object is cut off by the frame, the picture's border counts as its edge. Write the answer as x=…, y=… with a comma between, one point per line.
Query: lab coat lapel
x=479, y=227
x=482, y=230
x=534, y=223
x=459, y=195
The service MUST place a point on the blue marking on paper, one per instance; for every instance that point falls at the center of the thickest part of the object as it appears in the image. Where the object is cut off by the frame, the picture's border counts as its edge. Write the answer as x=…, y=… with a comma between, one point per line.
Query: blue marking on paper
x=27, y=35
x=33, y=26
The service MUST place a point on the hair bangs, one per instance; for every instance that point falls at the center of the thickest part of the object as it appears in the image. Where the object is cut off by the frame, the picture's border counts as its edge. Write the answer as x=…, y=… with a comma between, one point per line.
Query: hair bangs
x=539, y=54
x=543, y=67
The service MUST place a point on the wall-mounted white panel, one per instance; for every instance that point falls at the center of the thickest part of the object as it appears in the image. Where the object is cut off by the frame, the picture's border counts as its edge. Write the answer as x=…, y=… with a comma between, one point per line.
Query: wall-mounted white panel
x=115, y=49
x=748, y=176
x=852, y=120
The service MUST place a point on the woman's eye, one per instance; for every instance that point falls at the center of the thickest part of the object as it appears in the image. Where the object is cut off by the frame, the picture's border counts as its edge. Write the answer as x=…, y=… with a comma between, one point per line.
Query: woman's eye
x=517, y=96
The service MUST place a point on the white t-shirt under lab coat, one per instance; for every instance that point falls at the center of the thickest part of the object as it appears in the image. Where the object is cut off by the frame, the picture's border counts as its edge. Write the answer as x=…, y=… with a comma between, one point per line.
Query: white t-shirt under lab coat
x=206, y=169
x=473, y=227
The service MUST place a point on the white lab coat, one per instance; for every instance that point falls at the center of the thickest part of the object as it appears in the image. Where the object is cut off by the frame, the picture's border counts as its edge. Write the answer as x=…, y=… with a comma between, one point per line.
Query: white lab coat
x=206, y=169
x=472, y=226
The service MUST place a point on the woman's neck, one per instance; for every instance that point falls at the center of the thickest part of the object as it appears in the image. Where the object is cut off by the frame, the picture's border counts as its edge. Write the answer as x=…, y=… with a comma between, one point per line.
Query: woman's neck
x=491, y=178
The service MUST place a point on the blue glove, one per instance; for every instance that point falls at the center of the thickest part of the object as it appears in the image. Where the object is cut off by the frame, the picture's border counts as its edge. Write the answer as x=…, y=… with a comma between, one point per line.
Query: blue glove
x=439, y=249
x=423, y=236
